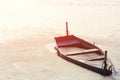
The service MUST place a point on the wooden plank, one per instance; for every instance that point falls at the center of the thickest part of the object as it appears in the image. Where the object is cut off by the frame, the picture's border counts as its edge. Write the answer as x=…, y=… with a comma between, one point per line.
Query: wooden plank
x=69, y=50
x=82, y=52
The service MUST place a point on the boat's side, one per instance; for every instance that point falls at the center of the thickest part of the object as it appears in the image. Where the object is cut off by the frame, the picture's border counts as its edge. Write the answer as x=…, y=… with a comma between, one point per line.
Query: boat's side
x=95, y=69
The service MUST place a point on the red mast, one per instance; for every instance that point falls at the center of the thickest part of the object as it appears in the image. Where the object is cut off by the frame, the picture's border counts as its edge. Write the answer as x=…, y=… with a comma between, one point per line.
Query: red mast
x=67, y=29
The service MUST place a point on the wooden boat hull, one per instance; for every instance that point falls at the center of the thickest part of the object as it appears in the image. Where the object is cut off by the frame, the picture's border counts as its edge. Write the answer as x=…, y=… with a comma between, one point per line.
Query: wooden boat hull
x=71, y=41
x=83, y=47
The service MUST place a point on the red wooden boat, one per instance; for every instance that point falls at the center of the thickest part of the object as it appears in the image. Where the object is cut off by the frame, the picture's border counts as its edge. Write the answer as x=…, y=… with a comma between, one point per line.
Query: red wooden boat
x=83, y=53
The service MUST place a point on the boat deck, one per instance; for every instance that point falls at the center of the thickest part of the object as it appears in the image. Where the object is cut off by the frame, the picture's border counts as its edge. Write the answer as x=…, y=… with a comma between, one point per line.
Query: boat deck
x=72, y=51
x=87, y=58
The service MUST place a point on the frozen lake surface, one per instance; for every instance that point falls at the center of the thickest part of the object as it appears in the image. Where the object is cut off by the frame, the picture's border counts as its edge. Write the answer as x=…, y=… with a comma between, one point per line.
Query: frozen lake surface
x=27, y=37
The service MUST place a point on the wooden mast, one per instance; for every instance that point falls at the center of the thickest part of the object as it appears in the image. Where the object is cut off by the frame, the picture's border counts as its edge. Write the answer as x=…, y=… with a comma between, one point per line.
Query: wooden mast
x=105, y=61
x=67, y=29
